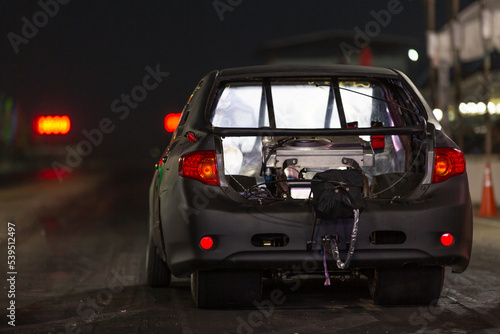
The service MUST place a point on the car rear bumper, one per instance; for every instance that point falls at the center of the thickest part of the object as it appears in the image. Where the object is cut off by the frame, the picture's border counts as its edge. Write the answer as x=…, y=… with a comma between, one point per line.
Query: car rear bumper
x=444, y=208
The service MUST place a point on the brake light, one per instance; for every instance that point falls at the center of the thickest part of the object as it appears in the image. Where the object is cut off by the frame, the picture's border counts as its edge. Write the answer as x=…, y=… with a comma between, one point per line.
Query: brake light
x=448, y=162
x=201, y=166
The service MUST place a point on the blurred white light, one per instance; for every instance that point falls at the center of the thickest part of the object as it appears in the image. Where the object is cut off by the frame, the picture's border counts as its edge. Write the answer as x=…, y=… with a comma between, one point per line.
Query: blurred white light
x=471, y=107
x=413, y=54
x=451, y=115
x=498, y=108
x=462, y=107
x=481, y=129
x=438, y=113
x=491, y=107
x=481, y=107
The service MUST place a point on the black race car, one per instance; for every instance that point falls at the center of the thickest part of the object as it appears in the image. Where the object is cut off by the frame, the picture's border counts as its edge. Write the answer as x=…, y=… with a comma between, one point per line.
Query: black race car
x=286, y=171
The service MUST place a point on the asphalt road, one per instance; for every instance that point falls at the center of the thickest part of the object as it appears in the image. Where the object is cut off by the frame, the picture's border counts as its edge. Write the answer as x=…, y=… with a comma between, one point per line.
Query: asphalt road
x=79, y=257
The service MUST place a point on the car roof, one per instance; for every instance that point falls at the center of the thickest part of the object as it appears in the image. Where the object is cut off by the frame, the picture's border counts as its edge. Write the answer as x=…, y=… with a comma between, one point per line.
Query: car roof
x=275, y=71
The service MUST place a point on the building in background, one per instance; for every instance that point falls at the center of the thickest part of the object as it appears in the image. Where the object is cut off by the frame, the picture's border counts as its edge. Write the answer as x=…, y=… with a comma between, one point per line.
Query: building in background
x=353, y=47
x=465, y=57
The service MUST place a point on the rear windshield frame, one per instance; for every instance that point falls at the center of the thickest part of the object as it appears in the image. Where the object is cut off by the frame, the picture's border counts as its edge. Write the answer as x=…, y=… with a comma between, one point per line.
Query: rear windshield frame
x=396, y=94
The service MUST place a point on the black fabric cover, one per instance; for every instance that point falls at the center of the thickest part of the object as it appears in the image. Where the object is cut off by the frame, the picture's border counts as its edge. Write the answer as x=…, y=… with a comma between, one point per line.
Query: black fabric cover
x=337, y=192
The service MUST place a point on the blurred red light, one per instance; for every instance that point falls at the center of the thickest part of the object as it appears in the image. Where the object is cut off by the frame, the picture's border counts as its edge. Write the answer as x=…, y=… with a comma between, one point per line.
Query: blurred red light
x=171, y=122
x=206, y=243
x=50, y=174
x=48, y=125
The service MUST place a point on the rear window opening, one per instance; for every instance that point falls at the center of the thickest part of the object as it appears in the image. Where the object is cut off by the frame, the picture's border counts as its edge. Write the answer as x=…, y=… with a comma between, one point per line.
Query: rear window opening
x=308, y=125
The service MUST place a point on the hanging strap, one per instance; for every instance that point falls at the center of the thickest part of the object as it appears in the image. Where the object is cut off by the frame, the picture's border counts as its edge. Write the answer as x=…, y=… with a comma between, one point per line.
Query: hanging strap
x=335, y=246
x=327, y=277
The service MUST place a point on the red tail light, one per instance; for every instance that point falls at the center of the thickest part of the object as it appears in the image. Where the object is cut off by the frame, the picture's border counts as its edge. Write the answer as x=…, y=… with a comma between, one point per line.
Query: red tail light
x=201, y=166
x=448, y=162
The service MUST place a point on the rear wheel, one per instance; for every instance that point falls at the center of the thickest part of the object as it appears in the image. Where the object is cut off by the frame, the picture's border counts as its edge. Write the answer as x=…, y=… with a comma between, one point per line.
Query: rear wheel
x=226, y=288
x=407, y=285
x=157, y=273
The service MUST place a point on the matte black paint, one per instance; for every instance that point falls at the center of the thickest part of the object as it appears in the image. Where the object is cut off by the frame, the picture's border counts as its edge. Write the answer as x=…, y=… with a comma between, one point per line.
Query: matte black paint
x=189, y=210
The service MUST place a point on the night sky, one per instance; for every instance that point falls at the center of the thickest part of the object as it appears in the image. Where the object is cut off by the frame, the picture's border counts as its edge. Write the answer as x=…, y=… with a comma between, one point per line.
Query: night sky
x=91, y=52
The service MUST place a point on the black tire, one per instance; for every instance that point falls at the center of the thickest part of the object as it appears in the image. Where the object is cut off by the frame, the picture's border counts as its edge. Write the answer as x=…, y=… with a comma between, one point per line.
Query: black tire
x=407, y=285
x=157, y=273
x=226, y=288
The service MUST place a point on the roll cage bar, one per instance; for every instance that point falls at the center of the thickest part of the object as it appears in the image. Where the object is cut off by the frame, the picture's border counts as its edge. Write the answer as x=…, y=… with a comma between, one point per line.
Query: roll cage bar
x=334, y=94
